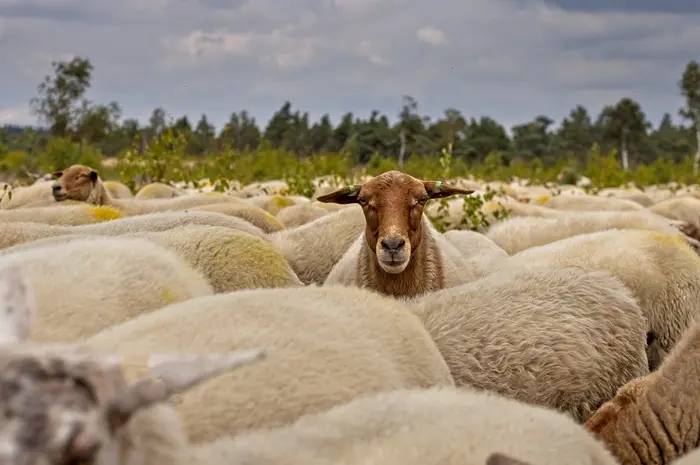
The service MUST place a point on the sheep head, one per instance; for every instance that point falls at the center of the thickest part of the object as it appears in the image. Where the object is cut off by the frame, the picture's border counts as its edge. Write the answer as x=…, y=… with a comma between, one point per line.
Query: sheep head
x=393, y=204
x=76, y=182
x=65, y=404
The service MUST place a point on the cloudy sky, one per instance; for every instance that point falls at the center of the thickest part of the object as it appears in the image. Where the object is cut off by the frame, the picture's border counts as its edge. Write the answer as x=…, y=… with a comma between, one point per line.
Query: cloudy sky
x=508, y=59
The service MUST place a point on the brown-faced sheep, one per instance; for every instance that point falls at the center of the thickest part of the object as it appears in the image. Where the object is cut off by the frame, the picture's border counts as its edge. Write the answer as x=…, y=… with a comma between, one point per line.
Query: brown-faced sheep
x=563, y=339
x=82, y=183
x=654, y=420
x=399, y=253
x=438, y=426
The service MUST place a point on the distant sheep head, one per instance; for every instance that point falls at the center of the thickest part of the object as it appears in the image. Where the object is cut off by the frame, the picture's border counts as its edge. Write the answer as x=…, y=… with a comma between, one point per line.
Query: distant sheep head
x=77, y=182
x=393, y=204
x=63, y=404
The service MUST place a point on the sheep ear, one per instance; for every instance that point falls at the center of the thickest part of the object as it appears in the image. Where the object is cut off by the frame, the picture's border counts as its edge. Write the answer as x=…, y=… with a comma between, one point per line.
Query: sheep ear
x=498, y=458
x=56, y=174
x=438, y=190
x=17, y=306
x=93, y=175
x=174, y=374
x=344, y=195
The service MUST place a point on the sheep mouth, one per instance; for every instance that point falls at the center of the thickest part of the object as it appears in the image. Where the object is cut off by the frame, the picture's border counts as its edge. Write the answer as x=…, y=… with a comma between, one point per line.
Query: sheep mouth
x=393, y=265
x=59, y=197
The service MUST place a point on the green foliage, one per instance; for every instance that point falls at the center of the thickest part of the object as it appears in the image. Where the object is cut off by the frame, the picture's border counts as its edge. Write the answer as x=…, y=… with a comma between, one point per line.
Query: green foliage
x=161, y=161
x=62, y=152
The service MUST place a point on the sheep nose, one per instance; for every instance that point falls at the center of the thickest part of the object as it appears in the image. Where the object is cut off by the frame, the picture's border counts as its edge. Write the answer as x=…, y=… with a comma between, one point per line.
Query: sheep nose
x=393, y=243
x=56, y=187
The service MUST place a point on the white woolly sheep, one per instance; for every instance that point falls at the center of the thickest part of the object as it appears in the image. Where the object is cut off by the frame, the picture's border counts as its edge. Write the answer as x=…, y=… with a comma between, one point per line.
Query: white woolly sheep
x=654, y=420
x=118, y=190
x=399, y=253
x=82, y=183
x=479, y=252
x=326, y=346
x=16, y=232
x=686, y=209
x=563, y=339
x=252, y=214
x=591, y=203
x=82, y=287
x=25, y=195
x=62, y=215
x=271, y=203
x=517, y=234
x=314, y=248
x=158, y=190
x=634, y=195
x=231, y=260
x=417, y=427
x=297, y=215
x=69, y=405
x=661, y=269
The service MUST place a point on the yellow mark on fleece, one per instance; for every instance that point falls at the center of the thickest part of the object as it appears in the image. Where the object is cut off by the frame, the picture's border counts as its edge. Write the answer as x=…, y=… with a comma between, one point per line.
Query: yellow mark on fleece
x=105, y=213
x=491, y=207
x=281, y=202
x=542, y=199
x=168, y=296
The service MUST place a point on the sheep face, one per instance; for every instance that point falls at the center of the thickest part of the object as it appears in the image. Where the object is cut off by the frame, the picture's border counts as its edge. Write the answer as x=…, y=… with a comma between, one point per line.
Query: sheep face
x=393, y=205
x=74, y=183
x=62, y=406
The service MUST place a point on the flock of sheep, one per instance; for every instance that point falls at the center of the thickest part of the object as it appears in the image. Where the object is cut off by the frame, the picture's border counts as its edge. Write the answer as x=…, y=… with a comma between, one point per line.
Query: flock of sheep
x=254, y=328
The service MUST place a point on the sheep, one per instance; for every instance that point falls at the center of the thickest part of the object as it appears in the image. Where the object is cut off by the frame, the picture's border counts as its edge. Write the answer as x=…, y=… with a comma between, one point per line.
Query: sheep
x=22, y=196
x=517, y=234
x=400, y=253
x=274, y=187
x=158, y=190
x=591, y=203
x=231, y=260
x=79, y=182
x=661, y=269
x=314, y=248
x=65, y=404
x=252, y=214
x=634, y=195
x=563, y=339
x=653, y=420
x=68, y=215
x=271, y=203
x=118, y=190
x=326, y=346
x=437, y=426
x=479, y=251
x=686, y=209
x=17, y=232
x=84, y=286
x=297, y=215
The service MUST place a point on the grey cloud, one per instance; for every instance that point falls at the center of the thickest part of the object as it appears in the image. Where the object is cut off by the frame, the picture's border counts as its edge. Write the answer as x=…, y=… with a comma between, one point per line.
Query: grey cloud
x=509, y=59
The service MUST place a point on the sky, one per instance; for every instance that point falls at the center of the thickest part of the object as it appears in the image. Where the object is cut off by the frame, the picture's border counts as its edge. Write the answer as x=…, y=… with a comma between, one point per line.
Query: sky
x=507, y=59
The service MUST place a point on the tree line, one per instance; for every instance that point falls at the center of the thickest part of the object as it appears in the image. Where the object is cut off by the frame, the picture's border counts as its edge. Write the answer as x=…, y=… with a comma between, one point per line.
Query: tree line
x=62, y=108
